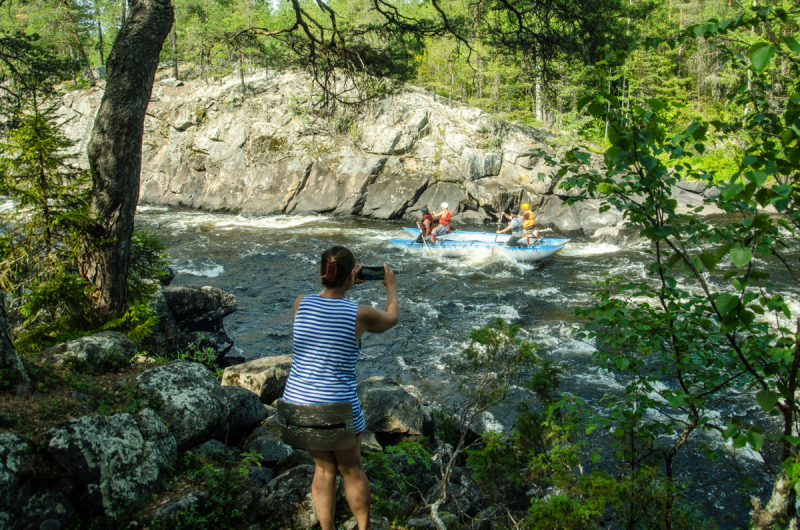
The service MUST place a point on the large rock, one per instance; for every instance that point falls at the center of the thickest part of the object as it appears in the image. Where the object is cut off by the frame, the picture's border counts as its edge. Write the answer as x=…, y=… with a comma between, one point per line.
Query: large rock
x=390, y=195
x=287, y=498
x=390, y=411
x=477, y=164
x=192, y=403
x=693, y=186
x=438, y=193
x=340, y=187
x=23, y=502
x=265, y=377
x=198, y=314
x=555, y=213
x=117, y=459
x=247, y=411
x=199, y=308
x=107, y=348
x=495, y=195
x=270, y=451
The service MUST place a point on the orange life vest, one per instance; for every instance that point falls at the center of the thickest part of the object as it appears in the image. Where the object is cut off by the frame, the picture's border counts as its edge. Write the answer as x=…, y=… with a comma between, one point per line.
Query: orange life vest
x=527, y=219
x=444, y=219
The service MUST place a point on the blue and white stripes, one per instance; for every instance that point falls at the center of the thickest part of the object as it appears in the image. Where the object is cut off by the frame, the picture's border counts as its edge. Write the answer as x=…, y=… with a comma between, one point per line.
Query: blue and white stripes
x=325, y=353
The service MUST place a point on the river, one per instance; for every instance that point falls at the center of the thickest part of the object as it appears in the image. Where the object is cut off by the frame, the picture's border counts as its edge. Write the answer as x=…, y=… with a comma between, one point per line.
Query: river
x=266, y=262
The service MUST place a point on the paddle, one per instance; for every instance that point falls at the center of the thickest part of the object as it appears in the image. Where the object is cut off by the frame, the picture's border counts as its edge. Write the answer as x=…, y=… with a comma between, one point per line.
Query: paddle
x=499, y=222
x=422, y=235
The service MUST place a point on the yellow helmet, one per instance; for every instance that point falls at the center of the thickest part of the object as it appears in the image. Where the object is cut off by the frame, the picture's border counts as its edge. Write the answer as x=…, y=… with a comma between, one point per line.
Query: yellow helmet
x=526, y=206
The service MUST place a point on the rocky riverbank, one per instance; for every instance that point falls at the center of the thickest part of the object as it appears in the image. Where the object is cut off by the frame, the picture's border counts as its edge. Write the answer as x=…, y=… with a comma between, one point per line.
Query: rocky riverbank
x=256, y=148
x=187, y=436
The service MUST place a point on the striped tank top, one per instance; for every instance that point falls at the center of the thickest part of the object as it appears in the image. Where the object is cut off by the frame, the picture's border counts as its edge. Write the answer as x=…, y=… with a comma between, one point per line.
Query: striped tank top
x=325, y=353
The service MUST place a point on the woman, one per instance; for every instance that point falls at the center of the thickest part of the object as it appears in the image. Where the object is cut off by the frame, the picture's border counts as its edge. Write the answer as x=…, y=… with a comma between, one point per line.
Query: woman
x=327, y=340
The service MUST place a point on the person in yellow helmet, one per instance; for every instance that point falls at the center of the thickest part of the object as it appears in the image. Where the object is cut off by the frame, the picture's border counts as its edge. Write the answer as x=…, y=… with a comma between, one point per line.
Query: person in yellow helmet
x=528, y=222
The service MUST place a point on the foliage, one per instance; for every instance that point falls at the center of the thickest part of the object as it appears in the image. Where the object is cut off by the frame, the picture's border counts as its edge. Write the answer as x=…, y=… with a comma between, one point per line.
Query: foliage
x=709, y=325
x=390, y=486
x=149, y=262
x=225, y=485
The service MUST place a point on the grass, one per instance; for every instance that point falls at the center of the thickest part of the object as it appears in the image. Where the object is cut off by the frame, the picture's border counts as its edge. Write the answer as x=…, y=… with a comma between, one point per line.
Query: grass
x=60, y=393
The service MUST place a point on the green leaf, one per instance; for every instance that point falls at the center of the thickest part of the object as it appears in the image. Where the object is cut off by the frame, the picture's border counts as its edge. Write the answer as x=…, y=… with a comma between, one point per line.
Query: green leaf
x=726, y=303
x=749, y=160
x=766, y=399
x=760, y=54
x=756, y=440
x=676, y=400
x=709, y=260
x=732, y=190
x=741, y=256
x=583, y=101
x=656, y=104
x=605, y=187
x=595, y=458
x=590, y=428
x=619, y=455
x=597, y=110
x=793, y=44
x=622, y=363
x=739, y=441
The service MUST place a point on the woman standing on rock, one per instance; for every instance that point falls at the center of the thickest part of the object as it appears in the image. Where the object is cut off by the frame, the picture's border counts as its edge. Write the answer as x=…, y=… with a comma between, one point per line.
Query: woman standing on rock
x=320, y=410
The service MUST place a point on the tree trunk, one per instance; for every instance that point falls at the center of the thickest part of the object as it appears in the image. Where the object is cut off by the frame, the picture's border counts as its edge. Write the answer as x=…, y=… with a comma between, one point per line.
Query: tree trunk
x=99, y=32
x=77, y=35
x=10, y=364
x=776, y=511
x=115, y=149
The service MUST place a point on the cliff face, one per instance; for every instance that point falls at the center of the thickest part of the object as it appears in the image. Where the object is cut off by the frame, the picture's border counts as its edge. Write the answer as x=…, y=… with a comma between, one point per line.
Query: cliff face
x=257, y=149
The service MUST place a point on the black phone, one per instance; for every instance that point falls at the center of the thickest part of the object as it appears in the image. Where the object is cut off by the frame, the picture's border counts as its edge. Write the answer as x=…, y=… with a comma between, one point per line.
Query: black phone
x=372, y=273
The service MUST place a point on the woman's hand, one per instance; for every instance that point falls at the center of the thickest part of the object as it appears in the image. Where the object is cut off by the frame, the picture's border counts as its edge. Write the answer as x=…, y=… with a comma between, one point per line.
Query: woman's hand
x=356, y=273
x=388, y=279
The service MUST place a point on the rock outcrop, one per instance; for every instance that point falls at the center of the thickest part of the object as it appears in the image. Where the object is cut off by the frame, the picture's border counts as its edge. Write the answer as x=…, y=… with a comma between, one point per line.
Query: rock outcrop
x=116, y=459
x=265, y=377
x=105, y=348
x=192, y=403
x=24, y=503
x=255, y=149
x=390, y=410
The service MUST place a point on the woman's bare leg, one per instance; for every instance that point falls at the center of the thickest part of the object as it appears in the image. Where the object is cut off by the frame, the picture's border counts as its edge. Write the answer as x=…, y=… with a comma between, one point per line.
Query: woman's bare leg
x=356, y=483
x=323, y=488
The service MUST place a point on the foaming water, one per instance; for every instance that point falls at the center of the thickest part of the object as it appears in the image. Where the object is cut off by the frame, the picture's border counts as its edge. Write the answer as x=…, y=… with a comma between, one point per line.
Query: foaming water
x=589, y=249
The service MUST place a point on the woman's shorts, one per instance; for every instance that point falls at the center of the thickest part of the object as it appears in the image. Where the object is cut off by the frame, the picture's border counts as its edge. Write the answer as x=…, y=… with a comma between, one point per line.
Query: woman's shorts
x=319, y=427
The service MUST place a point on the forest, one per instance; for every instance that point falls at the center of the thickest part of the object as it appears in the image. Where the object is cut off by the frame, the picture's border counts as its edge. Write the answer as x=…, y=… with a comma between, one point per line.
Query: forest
x=663, y=91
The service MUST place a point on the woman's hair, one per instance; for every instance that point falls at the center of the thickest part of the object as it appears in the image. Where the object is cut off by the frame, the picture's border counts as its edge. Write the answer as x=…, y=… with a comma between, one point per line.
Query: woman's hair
x=337, y=263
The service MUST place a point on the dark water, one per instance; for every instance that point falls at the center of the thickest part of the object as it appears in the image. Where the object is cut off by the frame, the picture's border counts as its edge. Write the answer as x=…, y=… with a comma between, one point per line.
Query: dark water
x=268, y=261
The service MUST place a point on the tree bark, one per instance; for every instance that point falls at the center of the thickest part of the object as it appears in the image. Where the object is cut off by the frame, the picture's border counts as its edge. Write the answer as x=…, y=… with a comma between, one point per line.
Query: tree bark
x=10, y=364
x=99, y=32
x=115, y=149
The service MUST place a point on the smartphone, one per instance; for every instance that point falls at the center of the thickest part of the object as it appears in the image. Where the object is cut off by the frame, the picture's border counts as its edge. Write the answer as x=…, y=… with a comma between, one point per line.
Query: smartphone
x=372, y=273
